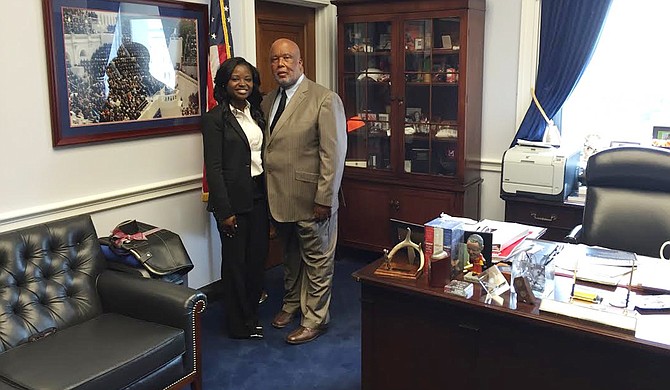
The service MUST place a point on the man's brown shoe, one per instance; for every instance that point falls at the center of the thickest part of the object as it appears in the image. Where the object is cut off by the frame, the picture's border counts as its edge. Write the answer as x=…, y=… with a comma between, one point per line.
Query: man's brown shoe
x=304, y=335
x=282, y=319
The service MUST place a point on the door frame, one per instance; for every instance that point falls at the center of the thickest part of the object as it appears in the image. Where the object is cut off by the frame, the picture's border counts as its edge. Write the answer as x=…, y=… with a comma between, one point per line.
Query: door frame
x=325, y=30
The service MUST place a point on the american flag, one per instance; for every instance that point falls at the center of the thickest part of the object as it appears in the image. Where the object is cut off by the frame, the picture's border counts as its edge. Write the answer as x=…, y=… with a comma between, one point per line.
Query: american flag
x=220, y=49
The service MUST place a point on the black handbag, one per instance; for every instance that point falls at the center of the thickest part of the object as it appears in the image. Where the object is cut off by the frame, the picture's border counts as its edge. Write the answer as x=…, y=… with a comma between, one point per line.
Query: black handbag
x=159, y=251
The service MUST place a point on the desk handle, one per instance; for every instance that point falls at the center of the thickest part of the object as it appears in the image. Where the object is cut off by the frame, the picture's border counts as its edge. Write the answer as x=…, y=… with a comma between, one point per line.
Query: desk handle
x=551, y=218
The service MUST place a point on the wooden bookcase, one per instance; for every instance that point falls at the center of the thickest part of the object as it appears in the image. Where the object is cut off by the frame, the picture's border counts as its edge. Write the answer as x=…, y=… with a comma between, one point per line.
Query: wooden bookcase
x=410, y=77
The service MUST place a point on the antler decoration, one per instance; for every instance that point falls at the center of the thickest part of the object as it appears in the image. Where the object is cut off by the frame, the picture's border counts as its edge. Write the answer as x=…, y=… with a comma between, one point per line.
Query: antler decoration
x=407, y=243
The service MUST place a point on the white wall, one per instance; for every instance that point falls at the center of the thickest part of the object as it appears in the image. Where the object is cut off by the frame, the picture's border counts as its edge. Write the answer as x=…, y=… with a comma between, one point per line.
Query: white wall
x=501, y=63
x=156, y=180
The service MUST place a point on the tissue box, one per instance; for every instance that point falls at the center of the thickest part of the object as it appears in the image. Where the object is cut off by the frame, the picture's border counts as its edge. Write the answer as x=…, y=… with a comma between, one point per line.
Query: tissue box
x=441, y=234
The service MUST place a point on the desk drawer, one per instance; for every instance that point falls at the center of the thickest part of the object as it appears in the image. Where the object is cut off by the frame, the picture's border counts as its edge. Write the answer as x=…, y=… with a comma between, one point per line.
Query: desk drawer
x=559, y=219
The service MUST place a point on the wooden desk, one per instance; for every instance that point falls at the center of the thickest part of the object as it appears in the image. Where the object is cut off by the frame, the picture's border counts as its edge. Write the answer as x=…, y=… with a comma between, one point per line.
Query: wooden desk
x=417, y=337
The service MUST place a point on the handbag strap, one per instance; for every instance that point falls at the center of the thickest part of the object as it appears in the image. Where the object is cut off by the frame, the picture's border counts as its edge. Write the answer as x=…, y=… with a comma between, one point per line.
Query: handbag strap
x=119, y=236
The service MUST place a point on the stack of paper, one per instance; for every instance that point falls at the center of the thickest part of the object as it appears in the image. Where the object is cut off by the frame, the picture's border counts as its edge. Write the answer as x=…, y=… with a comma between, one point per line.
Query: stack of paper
x=505, y=234
x=592, y=265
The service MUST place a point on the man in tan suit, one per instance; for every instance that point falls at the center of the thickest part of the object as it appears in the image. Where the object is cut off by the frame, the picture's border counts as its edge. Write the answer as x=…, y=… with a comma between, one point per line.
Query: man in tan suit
x=304, y=161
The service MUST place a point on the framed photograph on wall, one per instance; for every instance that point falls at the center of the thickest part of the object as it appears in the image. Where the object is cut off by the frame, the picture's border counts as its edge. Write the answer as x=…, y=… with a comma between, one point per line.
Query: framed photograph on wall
x=124, y=69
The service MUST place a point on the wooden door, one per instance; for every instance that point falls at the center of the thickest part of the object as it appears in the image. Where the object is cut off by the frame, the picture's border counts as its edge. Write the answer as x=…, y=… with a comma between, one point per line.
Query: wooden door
x=274, y=21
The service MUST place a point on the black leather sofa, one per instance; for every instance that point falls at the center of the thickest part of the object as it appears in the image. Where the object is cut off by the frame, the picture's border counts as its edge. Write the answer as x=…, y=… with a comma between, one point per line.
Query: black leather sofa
x=66, y=322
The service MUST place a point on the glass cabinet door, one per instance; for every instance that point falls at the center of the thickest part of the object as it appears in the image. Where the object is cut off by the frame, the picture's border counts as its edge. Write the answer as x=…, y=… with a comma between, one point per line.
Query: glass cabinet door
x=367, y=92
x=430, y=128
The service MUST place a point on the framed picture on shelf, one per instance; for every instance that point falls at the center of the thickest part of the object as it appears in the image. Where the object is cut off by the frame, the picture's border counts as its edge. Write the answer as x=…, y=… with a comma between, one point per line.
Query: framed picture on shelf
x=413, y=114
x=125, y=69
x=368, y=116
x=446, y=42
x=420, y=159
x=418, y=44
x=375, y=127
x=384, y=120
x=384, y=41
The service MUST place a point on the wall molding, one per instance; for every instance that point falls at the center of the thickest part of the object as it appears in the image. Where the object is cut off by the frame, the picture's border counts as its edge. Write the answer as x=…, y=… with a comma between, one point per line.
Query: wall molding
x=115, y=199
x=98, y=202
x=490, y=165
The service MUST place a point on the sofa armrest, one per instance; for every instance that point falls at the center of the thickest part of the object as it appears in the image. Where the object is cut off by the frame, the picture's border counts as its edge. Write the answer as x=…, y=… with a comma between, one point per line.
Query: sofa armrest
x=574, y=236
x=155, y=301
x=148, y=299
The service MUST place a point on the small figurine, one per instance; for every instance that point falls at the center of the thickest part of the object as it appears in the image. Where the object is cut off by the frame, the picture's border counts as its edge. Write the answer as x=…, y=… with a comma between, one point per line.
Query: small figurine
x=475, y=245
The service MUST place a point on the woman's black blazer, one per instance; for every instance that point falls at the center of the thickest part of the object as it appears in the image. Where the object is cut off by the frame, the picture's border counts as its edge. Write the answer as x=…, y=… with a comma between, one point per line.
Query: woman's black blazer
x=227, y=163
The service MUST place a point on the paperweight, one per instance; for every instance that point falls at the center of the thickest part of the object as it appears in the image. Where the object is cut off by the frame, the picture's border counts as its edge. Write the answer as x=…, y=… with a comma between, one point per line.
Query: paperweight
x=460, y=288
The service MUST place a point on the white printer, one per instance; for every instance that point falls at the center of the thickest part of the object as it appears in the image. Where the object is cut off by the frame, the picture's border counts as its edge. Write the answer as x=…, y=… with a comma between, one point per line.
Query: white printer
x=539, y=171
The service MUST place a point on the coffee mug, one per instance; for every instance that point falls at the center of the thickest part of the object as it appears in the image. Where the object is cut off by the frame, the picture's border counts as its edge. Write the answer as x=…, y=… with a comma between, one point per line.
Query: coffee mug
x=660, y=252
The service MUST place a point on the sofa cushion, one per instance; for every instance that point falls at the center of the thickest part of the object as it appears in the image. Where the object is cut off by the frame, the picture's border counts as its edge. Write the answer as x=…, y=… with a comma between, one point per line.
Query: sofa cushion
x=110, y=351
x=47, y=278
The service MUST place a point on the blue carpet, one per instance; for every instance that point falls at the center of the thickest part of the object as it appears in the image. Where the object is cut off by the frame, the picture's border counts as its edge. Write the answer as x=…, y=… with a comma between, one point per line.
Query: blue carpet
x=332, y=362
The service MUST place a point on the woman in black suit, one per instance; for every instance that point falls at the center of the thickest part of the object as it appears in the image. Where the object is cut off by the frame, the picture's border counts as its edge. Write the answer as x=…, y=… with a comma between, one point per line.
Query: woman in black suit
x=233, y=141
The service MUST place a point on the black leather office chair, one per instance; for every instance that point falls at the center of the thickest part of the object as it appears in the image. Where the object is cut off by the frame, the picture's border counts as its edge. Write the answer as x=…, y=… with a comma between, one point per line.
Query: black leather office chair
x=627, y=200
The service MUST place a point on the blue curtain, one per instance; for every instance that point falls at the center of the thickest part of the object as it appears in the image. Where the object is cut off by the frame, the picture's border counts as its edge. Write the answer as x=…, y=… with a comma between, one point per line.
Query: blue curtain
x=569, y=32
